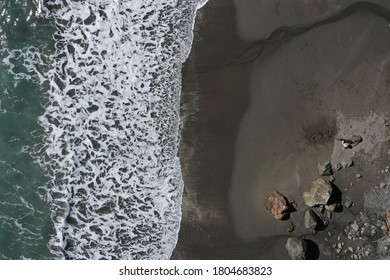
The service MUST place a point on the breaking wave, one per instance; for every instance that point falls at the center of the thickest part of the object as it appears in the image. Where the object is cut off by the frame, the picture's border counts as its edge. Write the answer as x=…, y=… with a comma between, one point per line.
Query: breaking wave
x=111, y=124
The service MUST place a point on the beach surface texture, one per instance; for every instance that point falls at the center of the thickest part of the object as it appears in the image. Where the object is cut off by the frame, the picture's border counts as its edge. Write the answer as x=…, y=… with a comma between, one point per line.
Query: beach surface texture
x=269, y=89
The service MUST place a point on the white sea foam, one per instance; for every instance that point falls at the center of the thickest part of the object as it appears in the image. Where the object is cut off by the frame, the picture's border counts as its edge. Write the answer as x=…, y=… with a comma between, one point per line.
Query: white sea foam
x=111, y=124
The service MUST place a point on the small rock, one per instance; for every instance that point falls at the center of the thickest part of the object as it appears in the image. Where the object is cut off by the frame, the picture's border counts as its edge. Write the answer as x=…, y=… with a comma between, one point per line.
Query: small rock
x=388, y=152
x=332, y=179
x=355, y=226
x=382, y=185
x=338, y=166
x=325, y=169
x=356, y=139
x=348, y=202
x=350, y=249
x=291, y=227
x=296, y=248
x=327, y=214
x=346, y=163
x=332, y=207
x=358, y=175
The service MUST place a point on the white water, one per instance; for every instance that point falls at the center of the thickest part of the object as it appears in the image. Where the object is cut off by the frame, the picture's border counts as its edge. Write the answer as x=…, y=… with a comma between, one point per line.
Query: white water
x=111, y=125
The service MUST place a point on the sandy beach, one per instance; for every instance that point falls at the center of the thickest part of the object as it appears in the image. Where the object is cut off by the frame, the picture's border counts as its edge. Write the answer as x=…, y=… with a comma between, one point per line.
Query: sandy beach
x=268, y=88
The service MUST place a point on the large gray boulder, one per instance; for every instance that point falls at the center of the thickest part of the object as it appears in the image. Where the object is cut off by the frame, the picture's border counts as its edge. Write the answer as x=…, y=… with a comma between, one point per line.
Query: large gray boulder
x=325, y=169
x=311, y=220
x=296, y=248
x=319, y=193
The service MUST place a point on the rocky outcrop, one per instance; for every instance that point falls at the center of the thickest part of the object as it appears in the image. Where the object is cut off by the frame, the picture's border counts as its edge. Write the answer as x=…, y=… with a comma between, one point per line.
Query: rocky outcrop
x=297, y=248
x=319, y=193
x=325, y=169
x=278, y=205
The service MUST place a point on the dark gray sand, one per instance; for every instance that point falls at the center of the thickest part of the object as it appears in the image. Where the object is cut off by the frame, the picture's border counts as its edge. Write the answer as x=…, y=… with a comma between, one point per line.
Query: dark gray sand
x=267, y=89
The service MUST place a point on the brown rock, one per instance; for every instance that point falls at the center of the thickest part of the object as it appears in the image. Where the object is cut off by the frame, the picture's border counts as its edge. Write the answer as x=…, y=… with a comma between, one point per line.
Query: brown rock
x=356, y=139
x=278, y=205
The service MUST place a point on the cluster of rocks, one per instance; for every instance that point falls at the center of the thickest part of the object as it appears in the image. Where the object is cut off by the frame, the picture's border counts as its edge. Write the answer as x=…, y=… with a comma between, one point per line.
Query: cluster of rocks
x=326, y=168
x=318, y=198
x=357, y=253
x=358, y=230
x=322, y=200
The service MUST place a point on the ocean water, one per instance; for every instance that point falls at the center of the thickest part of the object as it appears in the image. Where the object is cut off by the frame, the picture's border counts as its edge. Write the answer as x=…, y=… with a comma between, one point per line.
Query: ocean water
x=89, y=127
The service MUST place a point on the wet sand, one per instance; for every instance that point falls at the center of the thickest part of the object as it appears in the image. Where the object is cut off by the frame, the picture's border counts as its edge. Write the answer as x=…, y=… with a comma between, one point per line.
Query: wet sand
x=262, y=106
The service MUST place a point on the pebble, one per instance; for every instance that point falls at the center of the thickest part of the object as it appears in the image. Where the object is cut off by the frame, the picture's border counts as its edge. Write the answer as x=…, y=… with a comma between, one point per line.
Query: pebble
x=358, y=176
x=355, y=226
x=388, y=152
x=348, y=202
x=382, y=185
x=350, y=249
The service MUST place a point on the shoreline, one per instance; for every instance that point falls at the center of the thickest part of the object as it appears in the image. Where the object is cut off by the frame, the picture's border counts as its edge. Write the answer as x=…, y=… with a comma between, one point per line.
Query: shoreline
x=266, y=125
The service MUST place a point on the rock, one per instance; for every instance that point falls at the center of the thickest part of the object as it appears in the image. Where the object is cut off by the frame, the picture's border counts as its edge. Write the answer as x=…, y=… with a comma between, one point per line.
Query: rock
x=356, y=139
x=311, y=220
x=358, y=175
x=332, y=207
x=384, y=228
x=278, y=205
x=388, y=152
x=347, y=163
x=348, y=202
x=355, y=226
x=319, y=193
x=332, y=179
x=291, y=227
x=327, y=215
x=382, y=185
x=338, y=166
x=325, y=169
x=296, y=248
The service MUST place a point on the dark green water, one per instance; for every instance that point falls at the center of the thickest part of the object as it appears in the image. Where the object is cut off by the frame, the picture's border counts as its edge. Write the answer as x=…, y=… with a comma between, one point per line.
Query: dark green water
x=25, y=224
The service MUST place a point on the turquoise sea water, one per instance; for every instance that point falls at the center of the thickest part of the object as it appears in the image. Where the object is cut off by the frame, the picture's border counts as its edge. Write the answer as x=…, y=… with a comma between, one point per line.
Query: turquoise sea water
x=25, y=224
